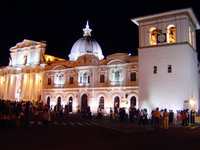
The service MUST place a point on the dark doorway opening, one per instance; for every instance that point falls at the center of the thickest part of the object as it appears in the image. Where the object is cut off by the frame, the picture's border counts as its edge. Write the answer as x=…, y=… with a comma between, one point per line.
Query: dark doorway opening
x=70, y=104
x=48, y=101
x=116, y=102
x=133, y=101
x=84, y=102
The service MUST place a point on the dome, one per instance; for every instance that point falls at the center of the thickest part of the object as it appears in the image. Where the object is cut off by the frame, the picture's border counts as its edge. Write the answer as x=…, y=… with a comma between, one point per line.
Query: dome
x=85, y=45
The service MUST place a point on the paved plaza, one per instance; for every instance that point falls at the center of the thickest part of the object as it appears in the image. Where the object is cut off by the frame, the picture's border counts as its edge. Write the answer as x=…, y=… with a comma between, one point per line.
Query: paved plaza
x=76, y=133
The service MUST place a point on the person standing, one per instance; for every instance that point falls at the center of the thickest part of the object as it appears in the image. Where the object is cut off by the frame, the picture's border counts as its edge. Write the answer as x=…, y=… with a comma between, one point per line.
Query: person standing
x=89, y=114
x=183, y=115
x=156, y=116
x=35, y=115
x=46, y=119
x=116, y=113
x=21, y=119
x=99, y=113
x=186, y=117
x=145, y=119
x=141, y=115
x=111, y=114
x=171, y=116
x=131, y=114
x=166, y=119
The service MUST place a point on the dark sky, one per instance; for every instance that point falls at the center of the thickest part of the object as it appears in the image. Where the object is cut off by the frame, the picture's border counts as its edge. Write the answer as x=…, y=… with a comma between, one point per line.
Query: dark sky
x=60, y=23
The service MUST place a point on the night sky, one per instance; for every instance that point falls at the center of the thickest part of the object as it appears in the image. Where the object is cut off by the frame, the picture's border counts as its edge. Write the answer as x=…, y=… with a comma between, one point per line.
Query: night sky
x=60, y=23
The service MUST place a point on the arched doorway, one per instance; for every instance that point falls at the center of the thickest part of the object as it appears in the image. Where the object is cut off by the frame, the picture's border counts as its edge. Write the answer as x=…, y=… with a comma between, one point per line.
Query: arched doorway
x=59, y=103
x=70, y=104
x=116, y=102
x=84, y=102
x=133, y=101
x=101, y=102
x=48, y=101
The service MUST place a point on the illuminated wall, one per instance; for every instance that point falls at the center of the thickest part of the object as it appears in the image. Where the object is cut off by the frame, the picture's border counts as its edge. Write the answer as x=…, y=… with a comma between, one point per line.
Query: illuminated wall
x=31, y=86
x=86, y=81
x=2, y=83
x=21, y=80
x=164, y=75
x=94, y=95
x=168, y=89
x=168, y=69
x=27, y=52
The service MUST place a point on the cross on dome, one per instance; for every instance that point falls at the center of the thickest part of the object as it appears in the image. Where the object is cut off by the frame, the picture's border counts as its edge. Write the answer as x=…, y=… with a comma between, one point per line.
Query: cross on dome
x=87, y=25
x=87, y=31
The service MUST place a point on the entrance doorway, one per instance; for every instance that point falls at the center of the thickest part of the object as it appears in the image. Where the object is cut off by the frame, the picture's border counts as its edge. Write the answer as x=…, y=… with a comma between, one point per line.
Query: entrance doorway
x=101, y=102
x=133, y=101
x=59, y=103
x=116, y=102
x=84, y=102
x=48, y=102
x=70, y=104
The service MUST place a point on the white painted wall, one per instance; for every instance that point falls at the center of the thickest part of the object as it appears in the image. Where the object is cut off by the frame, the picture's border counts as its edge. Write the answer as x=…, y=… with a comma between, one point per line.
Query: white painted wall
x=94, y=94
x=168, y=90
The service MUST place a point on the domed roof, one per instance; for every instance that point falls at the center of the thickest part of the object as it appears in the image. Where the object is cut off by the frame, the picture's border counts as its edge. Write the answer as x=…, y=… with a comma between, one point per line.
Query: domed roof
x=85, y=45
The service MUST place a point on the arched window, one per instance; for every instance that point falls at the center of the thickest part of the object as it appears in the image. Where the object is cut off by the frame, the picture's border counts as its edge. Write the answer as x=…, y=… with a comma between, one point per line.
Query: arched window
x=59, y=78
x=25, y=60
x=85, y=77
x=171, y=34
x=191, y=37
x=153, y=36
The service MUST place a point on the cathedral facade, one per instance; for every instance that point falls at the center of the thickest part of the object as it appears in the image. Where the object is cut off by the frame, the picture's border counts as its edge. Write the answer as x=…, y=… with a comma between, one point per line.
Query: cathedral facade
x=164, y=74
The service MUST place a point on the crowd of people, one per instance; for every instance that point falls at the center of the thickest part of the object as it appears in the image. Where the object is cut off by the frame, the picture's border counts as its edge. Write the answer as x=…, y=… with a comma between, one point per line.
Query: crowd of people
x=19, y=114
x=157, y=117
x=137, y=115
x=163, y=117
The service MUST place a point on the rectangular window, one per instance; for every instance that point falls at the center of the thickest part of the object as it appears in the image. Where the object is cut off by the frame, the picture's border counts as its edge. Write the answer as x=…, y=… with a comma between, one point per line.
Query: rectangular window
x=102, y=78
x=169, y=68
x=49, y=81
x=88, y=79
x=71, y=80
x=133, y=76
x=155, y=69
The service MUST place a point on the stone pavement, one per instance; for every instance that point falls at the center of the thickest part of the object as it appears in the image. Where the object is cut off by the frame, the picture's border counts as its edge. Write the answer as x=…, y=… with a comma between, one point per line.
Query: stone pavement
x=126, y=127
x=135, y=127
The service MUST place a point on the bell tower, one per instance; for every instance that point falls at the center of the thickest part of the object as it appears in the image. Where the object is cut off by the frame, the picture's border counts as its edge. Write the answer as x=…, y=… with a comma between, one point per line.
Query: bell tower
x=168, y=65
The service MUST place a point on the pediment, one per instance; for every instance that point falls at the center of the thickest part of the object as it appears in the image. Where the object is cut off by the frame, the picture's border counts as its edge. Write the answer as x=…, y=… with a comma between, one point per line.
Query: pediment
x=116, y=61
x=59, y=67
x=28, y=43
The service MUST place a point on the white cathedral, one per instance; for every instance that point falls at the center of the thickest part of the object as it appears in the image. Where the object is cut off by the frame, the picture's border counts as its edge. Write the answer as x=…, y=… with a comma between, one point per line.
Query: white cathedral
x=165, y=73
